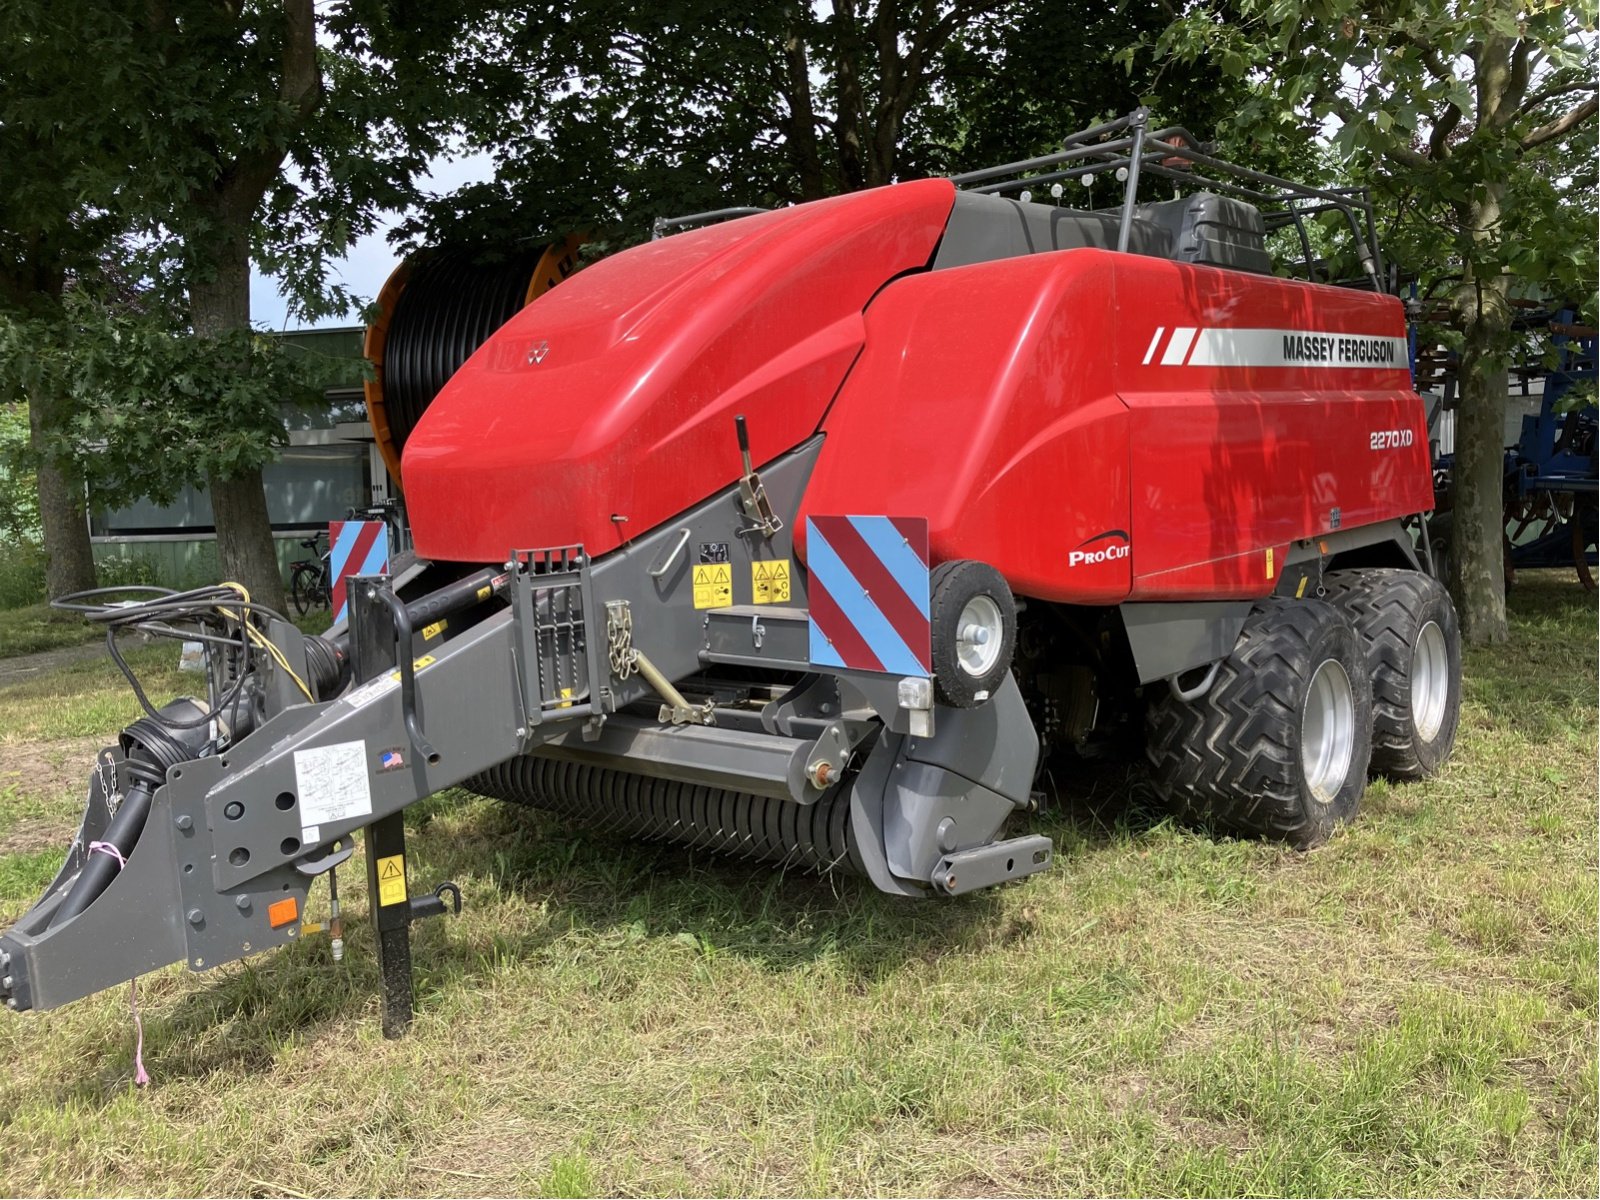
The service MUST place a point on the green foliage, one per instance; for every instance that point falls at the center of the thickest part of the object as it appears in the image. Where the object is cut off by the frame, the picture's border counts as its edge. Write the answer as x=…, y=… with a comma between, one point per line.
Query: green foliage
x=19, y=498
x=21, y=563
x=125, y=570
x=21, y=575
x=1405, y=90
x=608, y=114
x=137, y=410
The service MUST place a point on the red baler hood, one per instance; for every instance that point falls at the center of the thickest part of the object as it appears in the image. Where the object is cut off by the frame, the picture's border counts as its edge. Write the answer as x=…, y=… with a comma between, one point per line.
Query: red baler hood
x=615, y=393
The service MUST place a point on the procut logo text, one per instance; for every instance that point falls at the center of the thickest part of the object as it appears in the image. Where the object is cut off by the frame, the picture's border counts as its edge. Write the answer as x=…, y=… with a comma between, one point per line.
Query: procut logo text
x=1102, y=547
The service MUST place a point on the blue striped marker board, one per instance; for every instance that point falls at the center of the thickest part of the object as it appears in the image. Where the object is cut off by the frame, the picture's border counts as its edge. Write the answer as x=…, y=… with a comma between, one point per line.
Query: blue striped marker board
x=358, y=548
x=868, y=591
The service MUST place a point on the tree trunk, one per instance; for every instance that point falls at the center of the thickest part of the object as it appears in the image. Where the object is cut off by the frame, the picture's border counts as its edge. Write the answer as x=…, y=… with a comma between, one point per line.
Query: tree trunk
x=68, y=557
x=1477, y=560
x=219, y=303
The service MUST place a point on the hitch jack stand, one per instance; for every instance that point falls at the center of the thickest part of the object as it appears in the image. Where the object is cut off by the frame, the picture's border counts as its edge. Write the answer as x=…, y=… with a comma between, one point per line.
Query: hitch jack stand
x=391, y=918
x=375, y=637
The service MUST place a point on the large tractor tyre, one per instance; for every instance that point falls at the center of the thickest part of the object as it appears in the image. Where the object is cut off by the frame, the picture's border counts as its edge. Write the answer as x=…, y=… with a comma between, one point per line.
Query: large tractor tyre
x=974, y=626
x=1414, y=658
x=1278, y=746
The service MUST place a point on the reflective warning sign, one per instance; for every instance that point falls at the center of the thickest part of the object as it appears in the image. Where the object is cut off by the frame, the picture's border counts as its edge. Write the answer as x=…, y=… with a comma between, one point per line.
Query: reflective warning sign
x=769, y=581
x=713, y=585
x=392, y=880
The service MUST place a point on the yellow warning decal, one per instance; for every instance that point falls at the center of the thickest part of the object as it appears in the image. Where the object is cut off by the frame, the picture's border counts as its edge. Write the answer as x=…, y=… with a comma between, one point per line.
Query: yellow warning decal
x=429, y=632
x=1269, y=562
x=566, y=698
x=769, y=581
x=427, y=660
x=392, y=880
x=713, y=585
x=485, y=592
x=1299, y=592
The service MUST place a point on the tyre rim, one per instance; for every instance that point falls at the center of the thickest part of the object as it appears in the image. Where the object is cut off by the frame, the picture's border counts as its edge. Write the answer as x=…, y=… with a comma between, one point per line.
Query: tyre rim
x=979, y=634
x=1430, y=681
x=1328, y=731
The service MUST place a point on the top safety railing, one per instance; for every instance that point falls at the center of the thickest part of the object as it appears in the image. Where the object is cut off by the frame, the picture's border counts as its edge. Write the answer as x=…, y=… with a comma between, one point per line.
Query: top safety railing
x=1128, y=148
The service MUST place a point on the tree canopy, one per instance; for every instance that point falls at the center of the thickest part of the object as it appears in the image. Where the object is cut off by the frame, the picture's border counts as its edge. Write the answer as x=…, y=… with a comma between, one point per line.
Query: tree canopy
x=1474, y=123
x=615, y=112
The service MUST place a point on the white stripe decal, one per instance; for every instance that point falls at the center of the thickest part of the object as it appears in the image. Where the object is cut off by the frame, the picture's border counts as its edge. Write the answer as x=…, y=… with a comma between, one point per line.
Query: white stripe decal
x=1178, y=347
x=1155, y=340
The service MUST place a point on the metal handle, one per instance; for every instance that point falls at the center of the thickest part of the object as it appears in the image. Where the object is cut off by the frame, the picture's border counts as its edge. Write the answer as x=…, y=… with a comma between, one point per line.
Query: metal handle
x=408, y=676
x=744, y=443
x=666, y=563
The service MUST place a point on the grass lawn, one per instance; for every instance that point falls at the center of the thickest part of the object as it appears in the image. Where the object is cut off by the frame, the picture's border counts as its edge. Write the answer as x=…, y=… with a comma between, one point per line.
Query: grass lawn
x=1410, y=1010
x=35, y=627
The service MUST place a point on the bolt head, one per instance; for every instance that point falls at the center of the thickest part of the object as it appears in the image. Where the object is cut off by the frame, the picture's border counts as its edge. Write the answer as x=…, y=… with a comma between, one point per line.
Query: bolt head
x=242, y=903
x=196, y=916
x=184, y=822
x=8, y=983
x=12, y=1003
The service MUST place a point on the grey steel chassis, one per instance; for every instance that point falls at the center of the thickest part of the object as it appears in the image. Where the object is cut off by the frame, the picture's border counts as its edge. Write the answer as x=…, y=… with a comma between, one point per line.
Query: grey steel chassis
x=580, y=660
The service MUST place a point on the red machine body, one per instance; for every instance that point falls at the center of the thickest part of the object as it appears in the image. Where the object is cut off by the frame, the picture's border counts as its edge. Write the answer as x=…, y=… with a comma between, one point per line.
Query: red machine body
x=1046, y=417
x=1098, y=426
x=614, y=394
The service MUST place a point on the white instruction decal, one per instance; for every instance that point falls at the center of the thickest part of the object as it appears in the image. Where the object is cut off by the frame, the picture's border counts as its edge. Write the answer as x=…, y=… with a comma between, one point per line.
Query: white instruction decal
x=370, y=691
x=333, y=783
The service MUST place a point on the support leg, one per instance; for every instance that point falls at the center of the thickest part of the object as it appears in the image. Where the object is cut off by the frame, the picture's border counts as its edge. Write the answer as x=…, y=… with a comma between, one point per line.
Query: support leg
x=391, y=919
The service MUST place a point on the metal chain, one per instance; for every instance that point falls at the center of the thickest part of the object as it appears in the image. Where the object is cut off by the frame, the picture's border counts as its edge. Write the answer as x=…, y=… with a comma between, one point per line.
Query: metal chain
x=619, y=638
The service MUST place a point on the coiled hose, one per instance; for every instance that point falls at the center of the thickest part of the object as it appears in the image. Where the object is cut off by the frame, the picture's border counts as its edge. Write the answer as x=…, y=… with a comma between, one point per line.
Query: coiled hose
x=812, y=836
x=453, y=301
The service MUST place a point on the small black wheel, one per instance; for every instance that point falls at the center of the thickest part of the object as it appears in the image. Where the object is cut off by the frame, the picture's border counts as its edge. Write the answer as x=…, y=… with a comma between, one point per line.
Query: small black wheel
x=304, y=585
x=974, y=621
x=1413, y=643
x=1278, y=746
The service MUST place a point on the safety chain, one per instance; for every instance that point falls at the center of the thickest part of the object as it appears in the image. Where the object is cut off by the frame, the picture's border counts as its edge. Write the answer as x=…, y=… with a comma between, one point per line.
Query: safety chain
x=619, y=638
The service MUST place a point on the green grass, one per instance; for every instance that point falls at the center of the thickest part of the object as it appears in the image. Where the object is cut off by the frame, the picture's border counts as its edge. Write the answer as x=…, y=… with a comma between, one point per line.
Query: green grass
x=91, y=698
x=34, y=628
x=1409, y=1010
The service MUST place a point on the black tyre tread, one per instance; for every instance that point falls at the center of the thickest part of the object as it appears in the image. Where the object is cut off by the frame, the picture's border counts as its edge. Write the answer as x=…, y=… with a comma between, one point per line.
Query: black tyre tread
x=949, y=587
x=1384, y=605
x=1230, y=759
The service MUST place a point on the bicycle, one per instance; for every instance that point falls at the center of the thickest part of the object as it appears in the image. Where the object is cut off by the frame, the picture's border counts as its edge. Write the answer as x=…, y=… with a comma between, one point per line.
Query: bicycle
x=310, y=583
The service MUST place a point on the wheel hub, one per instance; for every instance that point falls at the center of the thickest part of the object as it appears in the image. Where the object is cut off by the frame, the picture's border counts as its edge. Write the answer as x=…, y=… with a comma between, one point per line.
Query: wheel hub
x=1430, y=681
x=982, y=631
x=1328, y=731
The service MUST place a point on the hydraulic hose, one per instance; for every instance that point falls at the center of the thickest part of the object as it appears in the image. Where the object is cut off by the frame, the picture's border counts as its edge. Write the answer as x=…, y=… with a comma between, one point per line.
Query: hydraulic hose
x=151, y=747
x=100, y=869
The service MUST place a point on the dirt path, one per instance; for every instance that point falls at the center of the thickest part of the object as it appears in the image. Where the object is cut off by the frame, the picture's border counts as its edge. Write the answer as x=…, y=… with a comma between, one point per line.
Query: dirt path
x=28, y=666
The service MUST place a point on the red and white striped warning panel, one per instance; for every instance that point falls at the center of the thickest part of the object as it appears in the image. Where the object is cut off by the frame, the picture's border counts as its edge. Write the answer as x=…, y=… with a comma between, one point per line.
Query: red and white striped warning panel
x=868, y=591
x=358, y=548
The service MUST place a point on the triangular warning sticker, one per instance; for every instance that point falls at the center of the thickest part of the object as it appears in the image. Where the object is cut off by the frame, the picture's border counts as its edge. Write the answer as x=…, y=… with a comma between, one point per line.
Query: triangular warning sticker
x=391, y=870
